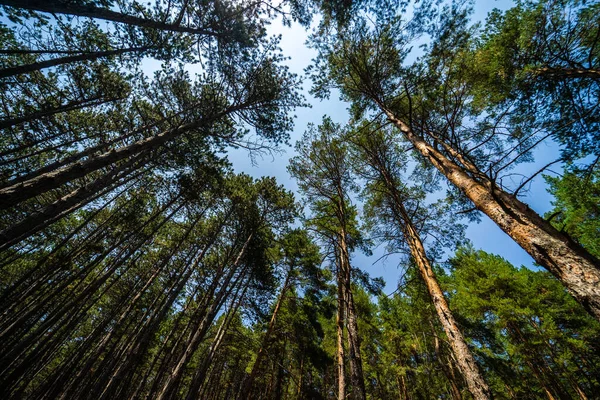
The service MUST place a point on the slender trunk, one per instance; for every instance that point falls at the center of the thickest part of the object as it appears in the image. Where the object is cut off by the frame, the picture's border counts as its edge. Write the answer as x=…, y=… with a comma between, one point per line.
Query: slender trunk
x=356, y=371
x=71, y=8
x=33, y=51
x=88, y=152
x=37, y=66
x=70, y=106
x=137, y=348
x=36, y=222
x=464, y=358
x=576, y=268
x=14, y=194
x=341, y=376
x=567, y=73
x=247, y=386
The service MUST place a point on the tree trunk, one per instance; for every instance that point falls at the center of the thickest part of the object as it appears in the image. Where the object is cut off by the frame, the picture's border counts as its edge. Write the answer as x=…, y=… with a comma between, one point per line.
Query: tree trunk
x=34, y=223
x=567, y=73
x=464, y=358
x=341, y=376
x=247, y=386
x=576, y=268
x=70, y=106
x=356, y=372
x=72, y=8
x=14, y=194
x=23, y=69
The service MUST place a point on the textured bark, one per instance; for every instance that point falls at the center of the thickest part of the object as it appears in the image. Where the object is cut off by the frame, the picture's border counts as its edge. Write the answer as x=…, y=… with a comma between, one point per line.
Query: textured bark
x=37, y=66
x=247, y=386
x=464, y=358
x=14, y=194
x=576, y=268
x=567, y=73
x=356, y=371
x=81, y=10
x=34, y=223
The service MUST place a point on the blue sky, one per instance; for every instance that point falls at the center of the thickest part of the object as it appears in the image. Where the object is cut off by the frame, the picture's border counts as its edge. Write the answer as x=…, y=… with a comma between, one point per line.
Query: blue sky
x=485, y=235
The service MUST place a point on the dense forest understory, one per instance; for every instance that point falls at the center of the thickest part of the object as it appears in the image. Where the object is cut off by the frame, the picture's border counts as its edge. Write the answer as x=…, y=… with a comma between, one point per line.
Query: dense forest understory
x=136, y=263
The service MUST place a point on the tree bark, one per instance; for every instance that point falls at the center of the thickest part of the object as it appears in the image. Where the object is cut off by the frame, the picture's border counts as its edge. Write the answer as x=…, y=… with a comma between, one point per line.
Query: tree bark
x=37, y=66
x=567, y=73
x=576, y=268
x=72, y=8
x=247, y=386
x=464, y=358
x=356, y=371
x=19, y=192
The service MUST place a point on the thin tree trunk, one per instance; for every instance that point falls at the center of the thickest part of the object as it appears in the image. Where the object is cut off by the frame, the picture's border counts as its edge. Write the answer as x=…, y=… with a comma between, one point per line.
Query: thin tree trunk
x=70, y=106
x=567, y=73
x=341, y=375
x=37, y=66
x=464, y=358
x=14, y=194
x=247, y=386
x=72, y=8
x=356, y=371
x=576, y=268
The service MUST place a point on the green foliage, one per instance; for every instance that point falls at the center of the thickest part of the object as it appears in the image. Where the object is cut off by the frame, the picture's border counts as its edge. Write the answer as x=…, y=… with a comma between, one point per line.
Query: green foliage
x=577, y=206
x=178, y=278
x=526, y=328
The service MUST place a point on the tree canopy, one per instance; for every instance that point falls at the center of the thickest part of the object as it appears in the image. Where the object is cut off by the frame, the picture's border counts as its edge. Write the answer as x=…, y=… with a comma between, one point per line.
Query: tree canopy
x=137, y=262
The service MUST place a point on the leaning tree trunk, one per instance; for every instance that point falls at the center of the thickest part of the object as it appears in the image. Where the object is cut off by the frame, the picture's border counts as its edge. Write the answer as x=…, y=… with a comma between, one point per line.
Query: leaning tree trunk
x=14, y=194
x=464, y=358
x=577, y=269
x=567, y=73
x=37, y=66
x=36, y=222
x=247, y=385
x=356, y=371
x=81, y=10
x=70, y=106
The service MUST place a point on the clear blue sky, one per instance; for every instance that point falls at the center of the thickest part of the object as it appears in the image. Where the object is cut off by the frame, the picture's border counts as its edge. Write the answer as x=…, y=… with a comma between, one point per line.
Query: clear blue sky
x=485, y=235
